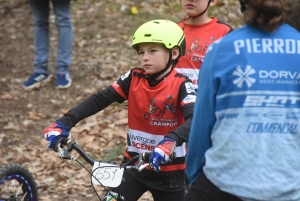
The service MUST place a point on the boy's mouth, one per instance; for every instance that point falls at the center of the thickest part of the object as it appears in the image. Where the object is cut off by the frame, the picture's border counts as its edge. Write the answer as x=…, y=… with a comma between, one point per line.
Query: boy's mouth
x=190, y=5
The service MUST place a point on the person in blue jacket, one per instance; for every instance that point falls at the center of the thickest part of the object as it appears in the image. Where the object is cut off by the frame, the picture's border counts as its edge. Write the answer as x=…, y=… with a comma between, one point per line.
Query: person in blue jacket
x=244, y=142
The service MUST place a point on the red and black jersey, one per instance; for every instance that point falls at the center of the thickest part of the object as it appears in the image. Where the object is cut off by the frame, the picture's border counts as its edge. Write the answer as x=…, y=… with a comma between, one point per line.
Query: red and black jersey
x=154, y=111
x=198, y=39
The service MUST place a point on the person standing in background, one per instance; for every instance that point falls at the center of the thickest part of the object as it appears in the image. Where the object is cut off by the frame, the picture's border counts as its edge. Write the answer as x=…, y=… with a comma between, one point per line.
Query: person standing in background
x=41, y=12
x=200, y=31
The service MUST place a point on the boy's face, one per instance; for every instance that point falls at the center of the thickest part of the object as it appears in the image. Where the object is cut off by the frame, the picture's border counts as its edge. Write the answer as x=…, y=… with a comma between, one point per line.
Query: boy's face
x=194, y=7
x=153, y=57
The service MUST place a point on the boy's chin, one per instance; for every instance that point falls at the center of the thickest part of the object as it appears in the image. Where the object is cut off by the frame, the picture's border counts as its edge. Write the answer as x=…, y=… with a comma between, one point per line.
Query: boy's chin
x=149, y=72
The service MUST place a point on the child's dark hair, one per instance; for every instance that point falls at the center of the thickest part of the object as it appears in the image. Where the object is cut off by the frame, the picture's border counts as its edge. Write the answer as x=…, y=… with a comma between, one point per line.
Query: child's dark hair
x=266, y=15
x=293, y=17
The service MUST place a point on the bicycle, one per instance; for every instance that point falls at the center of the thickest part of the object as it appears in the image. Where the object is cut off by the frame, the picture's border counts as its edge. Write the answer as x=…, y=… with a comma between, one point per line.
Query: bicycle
x=105, y=174
x=154, y=109
x=17, y=184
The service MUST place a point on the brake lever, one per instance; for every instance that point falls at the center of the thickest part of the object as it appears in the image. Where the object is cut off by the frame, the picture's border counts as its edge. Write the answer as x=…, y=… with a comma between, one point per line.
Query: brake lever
x=64, y=154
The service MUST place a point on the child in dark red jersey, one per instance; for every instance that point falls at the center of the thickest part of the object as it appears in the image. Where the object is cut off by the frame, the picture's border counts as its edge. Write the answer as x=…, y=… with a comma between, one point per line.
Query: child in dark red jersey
x=152, y=128
x=200, y=31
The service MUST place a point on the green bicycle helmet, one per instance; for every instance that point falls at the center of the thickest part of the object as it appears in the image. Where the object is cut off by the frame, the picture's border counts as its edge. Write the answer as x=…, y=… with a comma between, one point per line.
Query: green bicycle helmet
x=160, y=31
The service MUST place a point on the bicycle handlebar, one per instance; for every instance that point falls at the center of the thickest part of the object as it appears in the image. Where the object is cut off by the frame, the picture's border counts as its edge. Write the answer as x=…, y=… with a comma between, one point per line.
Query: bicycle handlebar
x=143, y=157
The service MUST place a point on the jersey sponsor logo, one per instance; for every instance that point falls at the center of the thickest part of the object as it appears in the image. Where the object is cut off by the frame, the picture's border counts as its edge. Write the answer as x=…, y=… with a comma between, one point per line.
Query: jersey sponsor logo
x=244, y=76
x=189, y=99
x=279, y=77
x=265, y=77
x=143, y=146
x=124, y=76
x=271, y=101
x=272, y=128
x=189, y=88
x=273, y=74
x=273, y=115
x=293, y=115
x=141, y=139
x=249, y=113
x=142, y=143
x=189, y=72
x=163, y=123
x=225, y=116
x=267, y=45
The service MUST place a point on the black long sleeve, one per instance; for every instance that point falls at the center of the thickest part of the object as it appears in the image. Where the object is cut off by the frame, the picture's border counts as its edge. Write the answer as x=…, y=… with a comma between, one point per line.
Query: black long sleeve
x=91, y=106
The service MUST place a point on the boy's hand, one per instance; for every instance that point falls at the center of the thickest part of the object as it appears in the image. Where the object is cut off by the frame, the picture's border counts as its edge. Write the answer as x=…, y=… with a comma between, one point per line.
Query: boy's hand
x=54, y=133
x=162, y=153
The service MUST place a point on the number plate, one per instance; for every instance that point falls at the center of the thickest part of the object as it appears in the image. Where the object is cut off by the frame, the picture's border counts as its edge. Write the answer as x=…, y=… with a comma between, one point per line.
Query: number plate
x=108, y=174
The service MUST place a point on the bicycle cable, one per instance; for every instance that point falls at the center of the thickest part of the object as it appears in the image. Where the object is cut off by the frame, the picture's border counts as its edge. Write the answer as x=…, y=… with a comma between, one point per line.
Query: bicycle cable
x=92, y=174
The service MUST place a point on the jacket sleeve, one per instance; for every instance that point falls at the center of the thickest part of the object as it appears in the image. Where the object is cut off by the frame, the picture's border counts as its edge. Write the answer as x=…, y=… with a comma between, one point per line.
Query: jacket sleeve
x=187, y=99
x=91, y=106
x=204, y=117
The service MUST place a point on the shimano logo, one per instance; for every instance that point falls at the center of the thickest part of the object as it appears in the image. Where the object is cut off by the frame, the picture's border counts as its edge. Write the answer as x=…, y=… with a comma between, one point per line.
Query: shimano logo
x=271, y=101
x=272, y=115
x=244, y=76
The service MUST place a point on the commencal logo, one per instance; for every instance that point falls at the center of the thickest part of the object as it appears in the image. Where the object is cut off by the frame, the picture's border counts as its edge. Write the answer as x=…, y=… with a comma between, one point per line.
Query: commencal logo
x=244, y=76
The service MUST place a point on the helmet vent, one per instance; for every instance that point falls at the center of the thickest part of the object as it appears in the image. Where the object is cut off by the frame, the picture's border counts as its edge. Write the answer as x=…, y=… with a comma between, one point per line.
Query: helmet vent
x=147, y=35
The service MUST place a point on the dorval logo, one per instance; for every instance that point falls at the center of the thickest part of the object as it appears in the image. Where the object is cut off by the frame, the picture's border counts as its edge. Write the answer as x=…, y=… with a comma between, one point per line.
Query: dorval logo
x=244, y=76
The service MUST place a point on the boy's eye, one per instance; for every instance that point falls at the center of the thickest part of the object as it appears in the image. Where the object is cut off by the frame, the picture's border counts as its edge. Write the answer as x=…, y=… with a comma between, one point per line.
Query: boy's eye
x=141, y=53
x=153, y=50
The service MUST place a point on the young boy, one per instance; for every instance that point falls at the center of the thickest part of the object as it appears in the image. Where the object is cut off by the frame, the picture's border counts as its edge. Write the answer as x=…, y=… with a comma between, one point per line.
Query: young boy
x=200, y=31
x=156, y=89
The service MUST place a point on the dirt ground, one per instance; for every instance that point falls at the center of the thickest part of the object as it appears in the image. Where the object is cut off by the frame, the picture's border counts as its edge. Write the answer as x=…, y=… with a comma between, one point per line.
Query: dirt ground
x=101, y=53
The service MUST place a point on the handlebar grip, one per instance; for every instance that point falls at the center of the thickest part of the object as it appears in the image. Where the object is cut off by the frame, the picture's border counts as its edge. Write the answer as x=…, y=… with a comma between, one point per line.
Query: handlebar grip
x=146, y=156
x=65, y=141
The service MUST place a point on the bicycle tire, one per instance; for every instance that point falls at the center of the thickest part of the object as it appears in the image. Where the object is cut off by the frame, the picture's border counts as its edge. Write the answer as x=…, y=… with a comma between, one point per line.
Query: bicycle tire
x=17, y=172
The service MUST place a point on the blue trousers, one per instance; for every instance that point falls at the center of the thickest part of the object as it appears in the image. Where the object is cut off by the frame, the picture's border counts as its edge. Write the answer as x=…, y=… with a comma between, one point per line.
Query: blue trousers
x=41, y=13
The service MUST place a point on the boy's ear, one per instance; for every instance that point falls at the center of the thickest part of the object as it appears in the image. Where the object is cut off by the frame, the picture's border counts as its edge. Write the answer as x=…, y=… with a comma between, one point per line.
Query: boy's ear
x=175, y=53
x=213, y=2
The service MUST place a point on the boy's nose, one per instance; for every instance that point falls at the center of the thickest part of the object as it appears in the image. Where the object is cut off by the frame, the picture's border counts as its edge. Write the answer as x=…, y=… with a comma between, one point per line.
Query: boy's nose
x=145, y=57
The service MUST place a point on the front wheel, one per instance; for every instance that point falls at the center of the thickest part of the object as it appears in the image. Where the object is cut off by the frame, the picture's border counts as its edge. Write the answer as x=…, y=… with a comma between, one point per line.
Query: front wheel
x=17, y=184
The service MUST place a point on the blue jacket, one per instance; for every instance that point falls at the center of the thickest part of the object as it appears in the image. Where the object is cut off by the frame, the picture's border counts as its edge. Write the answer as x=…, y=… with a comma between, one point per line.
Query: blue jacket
x=245, y=134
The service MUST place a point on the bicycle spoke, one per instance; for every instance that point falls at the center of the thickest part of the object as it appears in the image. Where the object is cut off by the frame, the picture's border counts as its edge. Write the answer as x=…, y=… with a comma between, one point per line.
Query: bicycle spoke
x=23, y=198
x=18, y=191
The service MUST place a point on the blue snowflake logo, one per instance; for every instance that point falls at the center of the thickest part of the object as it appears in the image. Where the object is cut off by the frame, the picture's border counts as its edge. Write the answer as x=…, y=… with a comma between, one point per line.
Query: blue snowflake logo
x=244, y=76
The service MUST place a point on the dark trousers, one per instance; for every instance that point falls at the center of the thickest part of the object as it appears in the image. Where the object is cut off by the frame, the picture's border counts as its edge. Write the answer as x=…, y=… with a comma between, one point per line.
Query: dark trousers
x=204, y=190
x=131, y=189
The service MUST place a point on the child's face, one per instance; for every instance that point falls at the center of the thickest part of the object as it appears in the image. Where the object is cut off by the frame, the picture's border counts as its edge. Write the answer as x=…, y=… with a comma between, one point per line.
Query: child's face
x=153, y=57
x=193, y=8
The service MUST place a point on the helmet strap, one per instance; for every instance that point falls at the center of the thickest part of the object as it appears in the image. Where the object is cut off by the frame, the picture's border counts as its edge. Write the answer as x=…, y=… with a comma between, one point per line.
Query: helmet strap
x=170, y=62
